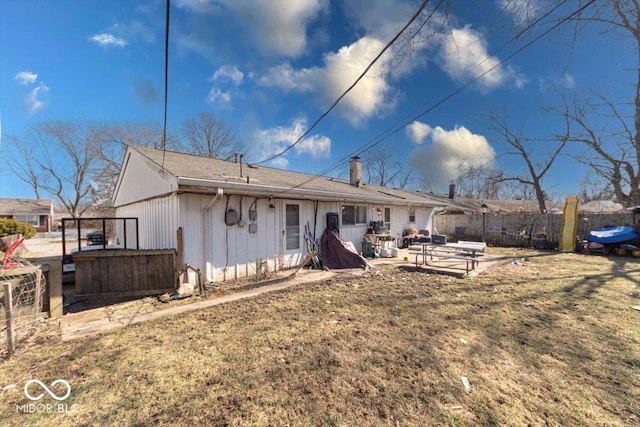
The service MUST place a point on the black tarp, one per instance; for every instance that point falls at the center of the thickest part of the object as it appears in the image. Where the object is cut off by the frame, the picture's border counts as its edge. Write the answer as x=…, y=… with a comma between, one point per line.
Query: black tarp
x=336, y=254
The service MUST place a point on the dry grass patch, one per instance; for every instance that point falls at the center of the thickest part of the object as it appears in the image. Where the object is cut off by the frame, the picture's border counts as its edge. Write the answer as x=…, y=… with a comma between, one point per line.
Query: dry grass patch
x=552, y=341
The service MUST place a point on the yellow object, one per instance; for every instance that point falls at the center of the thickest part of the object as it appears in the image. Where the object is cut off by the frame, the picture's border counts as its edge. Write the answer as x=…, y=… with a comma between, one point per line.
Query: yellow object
x=569, y=224
x=636, y=254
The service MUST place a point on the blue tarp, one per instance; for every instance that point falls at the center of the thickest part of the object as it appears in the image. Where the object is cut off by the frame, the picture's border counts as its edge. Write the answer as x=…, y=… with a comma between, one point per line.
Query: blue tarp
x=616, y=234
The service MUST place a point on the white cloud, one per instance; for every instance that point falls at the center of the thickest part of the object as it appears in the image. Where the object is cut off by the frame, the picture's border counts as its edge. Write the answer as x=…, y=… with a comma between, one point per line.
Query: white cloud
x=33, y=101
x=519, y=79
x=278, y=28
x=316, y=146
x=522, y=12
x=564, y=81
x=285, y=77
x=228, y=72
x=133, y=30
x=380, y=19
x=418, y=131
x=449, y=151
x=369, y=97
x=275, y=28
x=26, y=77
x=220, y=98
x=568, y=81
x=199, y=6
x=275, y=140
x=106, y=40
x=464, y=57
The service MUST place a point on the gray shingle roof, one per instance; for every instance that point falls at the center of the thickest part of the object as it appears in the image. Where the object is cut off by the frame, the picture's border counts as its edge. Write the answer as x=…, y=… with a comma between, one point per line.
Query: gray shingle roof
x=469, y=206
x=25, y=207
x=203, y=168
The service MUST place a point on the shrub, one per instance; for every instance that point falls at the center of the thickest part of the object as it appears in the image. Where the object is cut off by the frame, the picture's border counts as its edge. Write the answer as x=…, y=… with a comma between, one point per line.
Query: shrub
x=10, y=226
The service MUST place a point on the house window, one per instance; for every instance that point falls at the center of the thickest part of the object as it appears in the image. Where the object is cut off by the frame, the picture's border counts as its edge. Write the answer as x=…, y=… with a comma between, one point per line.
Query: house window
x=352, y=215
x=412, y=215
x=29, y=219
x=348, y=215
x=293, y=227
x=361, y=215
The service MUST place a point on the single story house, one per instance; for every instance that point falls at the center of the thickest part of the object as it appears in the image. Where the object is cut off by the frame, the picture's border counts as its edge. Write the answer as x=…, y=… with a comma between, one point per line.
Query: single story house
x=236, y=218
x=38, y=213
x=459, y=205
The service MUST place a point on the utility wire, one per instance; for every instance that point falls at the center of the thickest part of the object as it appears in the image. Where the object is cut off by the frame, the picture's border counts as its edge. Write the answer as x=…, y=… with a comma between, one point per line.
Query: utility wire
x=382, y=136
x=166, y=81
x=389, y=132
x=413, y=18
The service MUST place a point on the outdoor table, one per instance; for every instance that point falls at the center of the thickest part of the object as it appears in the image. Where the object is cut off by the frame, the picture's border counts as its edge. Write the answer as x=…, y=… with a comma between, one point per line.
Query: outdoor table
x=467, y=252
x=380, y=241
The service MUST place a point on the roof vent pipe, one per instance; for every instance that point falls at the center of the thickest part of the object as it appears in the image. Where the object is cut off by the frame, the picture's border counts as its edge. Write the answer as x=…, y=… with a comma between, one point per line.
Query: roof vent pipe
x=452, y=191
x=355, y=171
x=240, y=165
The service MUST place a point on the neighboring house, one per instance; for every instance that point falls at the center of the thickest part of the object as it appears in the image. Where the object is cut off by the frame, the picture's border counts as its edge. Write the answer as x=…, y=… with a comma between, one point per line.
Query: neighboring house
x=458, y=205
x=38, y=213
x=600, y=206
x=236, y=217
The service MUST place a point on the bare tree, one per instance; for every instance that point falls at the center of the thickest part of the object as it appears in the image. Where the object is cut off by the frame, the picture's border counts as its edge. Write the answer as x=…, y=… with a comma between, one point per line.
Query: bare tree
x=592, y=188
x=20, y=159
x=111, y=151
x=479, y=182
x=384, y=170
x=516, y=144
x=64, y=157
x=209, y=137
x=613, y=154
x=612, y=151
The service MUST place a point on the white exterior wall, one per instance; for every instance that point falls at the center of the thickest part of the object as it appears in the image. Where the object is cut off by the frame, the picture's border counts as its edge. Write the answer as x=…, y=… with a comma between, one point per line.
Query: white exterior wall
x=399, y=221
x=424, y=219
x=141, y=179
x=157, y=222
x=225, y=252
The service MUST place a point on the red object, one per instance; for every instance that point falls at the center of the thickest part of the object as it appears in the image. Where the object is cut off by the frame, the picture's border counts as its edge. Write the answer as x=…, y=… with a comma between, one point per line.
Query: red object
x=8, y=263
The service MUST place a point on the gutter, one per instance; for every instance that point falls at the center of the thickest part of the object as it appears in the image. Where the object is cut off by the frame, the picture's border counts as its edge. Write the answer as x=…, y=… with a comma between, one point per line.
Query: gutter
x=298, y=193
x=206, y=232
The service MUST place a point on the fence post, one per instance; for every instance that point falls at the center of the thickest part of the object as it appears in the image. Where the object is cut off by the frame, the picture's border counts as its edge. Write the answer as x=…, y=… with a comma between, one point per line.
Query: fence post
x=38, y=295
x=8, y=312
x=55, y=288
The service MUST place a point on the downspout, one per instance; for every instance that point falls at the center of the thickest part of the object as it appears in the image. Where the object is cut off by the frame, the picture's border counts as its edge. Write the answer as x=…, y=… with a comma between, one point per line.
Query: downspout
x=206, y=231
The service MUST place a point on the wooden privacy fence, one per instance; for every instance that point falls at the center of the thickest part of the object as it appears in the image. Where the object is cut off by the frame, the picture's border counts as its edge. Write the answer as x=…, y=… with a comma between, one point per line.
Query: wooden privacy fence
x=514, y=229
x=125, y=272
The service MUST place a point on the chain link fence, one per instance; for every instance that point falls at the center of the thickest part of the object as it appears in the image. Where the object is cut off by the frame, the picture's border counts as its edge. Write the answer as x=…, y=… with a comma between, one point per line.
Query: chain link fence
x=22, y=290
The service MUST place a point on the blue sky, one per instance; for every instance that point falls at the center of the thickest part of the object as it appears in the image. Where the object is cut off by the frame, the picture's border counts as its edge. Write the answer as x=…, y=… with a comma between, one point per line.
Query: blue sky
x=270, y=69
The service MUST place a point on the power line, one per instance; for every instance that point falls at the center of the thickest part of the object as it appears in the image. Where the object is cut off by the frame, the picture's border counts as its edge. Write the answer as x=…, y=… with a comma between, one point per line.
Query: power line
x=390, y=131
x=413, y=18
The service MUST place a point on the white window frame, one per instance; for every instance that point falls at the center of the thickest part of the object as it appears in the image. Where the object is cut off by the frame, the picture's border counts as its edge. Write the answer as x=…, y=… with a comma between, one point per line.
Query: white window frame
x=292, y=230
